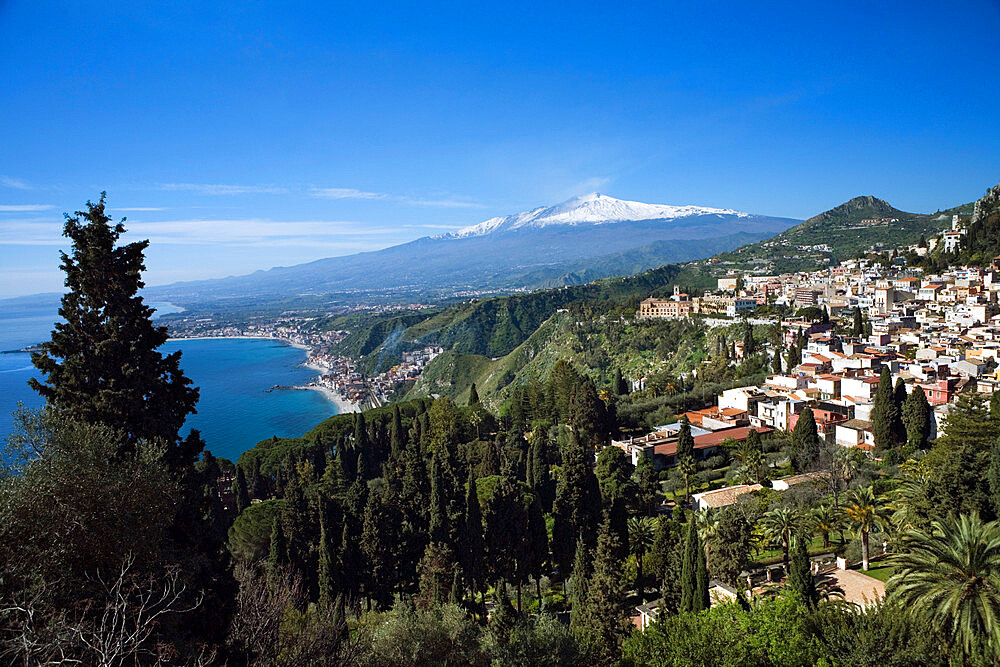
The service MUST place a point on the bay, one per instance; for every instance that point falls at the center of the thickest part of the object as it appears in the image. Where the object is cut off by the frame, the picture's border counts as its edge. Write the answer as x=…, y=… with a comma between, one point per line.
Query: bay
x=235, y=409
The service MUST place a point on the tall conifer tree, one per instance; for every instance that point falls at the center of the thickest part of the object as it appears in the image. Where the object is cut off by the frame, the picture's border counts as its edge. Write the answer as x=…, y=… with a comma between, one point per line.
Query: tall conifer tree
x=102, y=363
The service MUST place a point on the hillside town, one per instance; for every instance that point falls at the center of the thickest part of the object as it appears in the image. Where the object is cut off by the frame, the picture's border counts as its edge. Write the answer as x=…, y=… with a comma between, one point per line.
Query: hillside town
x=938, y=332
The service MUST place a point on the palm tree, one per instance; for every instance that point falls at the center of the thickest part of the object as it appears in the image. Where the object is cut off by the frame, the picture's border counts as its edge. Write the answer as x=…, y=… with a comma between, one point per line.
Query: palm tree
x=847, y=463
x=708, y=524
x=687, y=468
x=867, y=512
x=952, y=574
x=780, y=524
x=751, y=459
x=823, y=519
x=909, y=499
x=641, y=536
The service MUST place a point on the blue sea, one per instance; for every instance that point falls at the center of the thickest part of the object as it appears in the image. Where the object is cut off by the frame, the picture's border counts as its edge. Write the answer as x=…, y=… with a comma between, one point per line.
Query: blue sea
x=235, y=410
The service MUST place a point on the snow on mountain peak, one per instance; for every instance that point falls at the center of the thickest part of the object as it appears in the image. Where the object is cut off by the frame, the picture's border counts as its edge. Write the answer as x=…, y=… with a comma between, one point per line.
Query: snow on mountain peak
x=593, y=208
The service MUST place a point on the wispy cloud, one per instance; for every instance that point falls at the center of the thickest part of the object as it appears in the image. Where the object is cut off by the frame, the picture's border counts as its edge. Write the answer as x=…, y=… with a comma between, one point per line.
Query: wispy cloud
x=345, y=193
x=23, y=208
x=217, y=189
x=443, y=203
x=15, y=183
x=239, y=232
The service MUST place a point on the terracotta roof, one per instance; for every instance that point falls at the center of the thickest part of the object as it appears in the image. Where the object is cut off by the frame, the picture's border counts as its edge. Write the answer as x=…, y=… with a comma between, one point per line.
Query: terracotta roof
x=725, y=496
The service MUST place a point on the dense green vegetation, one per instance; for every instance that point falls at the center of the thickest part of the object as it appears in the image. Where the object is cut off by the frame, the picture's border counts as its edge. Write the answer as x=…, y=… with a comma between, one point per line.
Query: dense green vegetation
x=500, y=532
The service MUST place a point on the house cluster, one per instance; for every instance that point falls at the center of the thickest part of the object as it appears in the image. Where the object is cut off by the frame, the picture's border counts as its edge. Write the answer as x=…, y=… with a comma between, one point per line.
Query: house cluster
x=680, y=305
x=710, y=429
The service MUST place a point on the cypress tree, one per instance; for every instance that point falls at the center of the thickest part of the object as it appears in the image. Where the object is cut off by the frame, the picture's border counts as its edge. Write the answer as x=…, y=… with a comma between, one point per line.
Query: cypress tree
x=749, y=344
x=240, y=490
x=505, y=522
x=473, y=396
x=101, y=364
x=474, y=561
x=858, y=326
x=776, y=361
x=536, y=550
x=899, y=397
x=603, y=619
x=917, y=418
x=396, y=443
x=579, y=580
x=621, y=386
x=279, y=546
x=438, y=503
x=577, y=502
x=993, y=476
x=884, y=412
x=327, y=557
x=805, y=441
x=689, y=568
x=800, y=577
x=685, y=441
x=360, y=434
x=350, y=561
x=701, y=597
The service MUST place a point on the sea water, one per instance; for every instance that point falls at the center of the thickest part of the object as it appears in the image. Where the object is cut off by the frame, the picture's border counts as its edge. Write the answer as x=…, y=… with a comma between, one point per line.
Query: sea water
x=235, y=409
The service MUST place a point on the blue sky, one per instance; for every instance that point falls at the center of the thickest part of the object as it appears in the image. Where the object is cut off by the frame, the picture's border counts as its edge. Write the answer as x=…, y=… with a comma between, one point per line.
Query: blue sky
x=243, y=135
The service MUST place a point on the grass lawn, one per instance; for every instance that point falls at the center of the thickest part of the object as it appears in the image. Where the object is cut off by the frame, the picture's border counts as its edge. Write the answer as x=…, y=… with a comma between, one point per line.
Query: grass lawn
x=878, y=571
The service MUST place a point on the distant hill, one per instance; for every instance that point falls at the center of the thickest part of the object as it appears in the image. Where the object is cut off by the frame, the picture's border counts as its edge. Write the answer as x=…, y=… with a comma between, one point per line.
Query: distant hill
x=496, y=328
x=856, y=226
x=575, y=241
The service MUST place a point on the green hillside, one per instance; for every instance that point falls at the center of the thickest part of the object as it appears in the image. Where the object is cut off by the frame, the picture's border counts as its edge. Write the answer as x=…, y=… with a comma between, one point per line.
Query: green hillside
x=844, y=230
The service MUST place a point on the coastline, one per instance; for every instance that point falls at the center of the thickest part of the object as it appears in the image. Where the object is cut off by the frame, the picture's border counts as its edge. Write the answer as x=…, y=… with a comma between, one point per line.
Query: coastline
x=342, y=404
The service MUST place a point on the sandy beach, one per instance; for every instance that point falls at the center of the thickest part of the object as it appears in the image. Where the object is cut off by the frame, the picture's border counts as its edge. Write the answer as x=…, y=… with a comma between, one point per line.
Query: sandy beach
x=343, y=405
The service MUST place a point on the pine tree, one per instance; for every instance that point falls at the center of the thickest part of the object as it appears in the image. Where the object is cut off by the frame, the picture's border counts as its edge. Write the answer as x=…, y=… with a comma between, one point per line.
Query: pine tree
x=917, y=418
x=473, y=396
x=102, y=364
x=685, y=441
x=800, y=577
x=240, y=490
x=805, y=447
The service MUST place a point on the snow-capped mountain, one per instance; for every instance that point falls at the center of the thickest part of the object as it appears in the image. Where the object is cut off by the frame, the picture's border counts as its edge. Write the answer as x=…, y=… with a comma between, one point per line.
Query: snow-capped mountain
x=593, y=208
x=587, y=237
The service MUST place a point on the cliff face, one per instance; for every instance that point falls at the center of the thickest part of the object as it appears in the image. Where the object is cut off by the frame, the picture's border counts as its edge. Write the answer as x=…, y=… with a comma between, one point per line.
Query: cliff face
x=986, y=204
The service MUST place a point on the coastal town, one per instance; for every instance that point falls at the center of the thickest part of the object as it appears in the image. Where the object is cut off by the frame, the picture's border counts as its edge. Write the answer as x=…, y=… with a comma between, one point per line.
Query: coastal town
x=339, y=379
